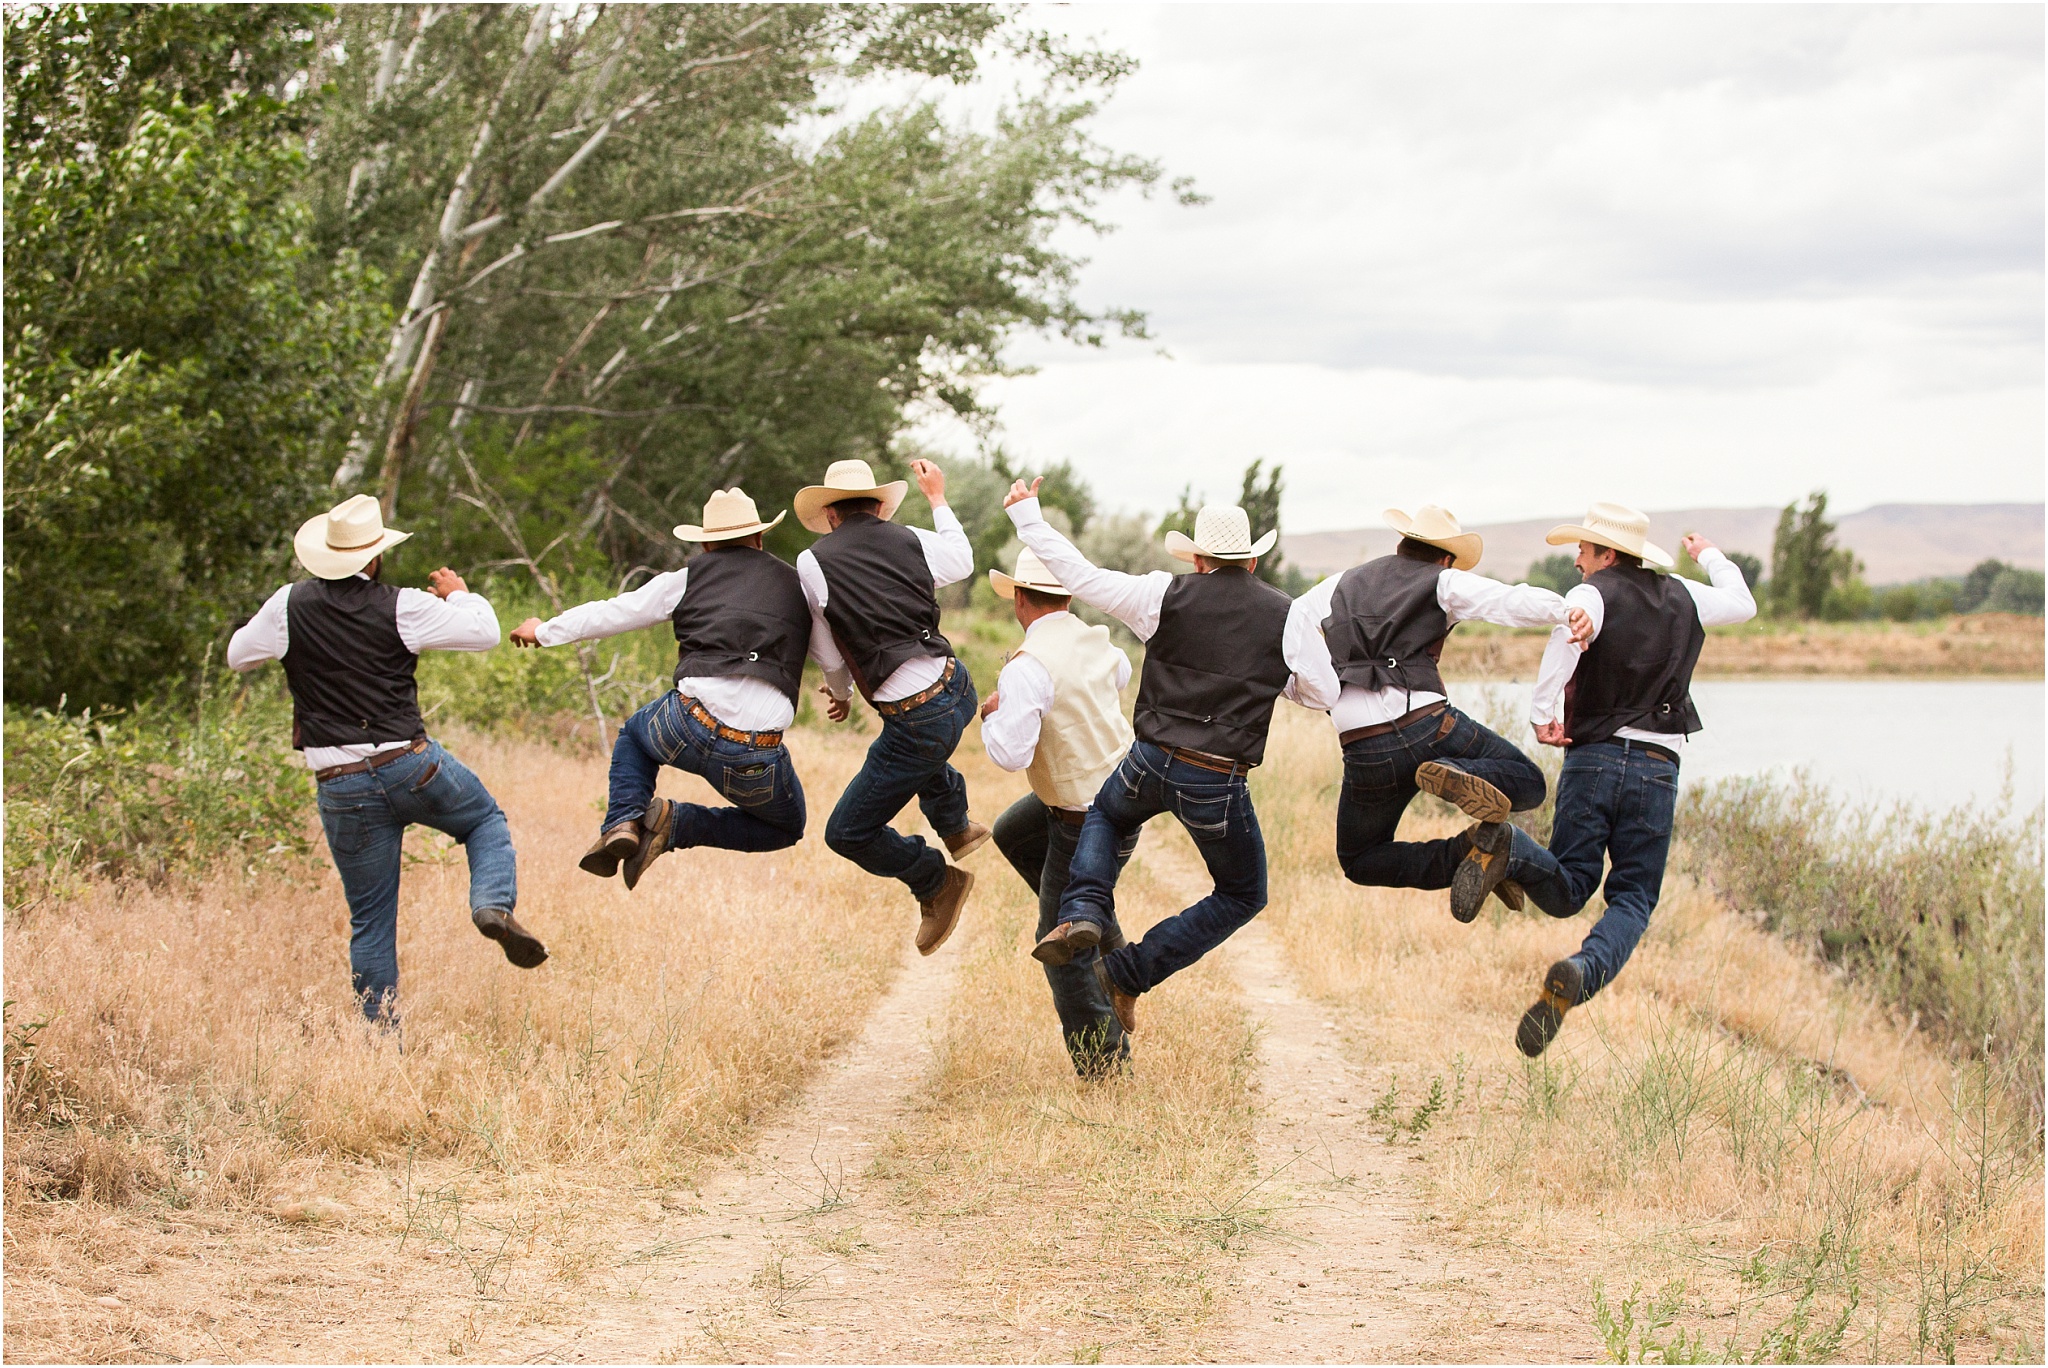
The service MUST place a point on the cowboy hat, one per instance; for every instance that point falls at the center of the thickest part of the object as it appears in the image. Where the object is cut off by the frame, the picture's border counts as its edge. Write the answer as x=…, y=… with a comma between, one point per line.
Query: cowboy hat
x=341, y=541
x=728, y=515
x=1435, y=525
x=1031, y=574
x=846, y=480
x=1613, y=525
x=1222, y=532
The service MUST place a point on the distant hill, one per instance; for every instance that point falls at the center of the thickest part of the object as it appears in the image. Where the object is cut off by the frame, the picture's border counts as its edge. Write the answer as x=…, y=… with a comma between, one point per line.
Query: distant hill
x=1898, y=542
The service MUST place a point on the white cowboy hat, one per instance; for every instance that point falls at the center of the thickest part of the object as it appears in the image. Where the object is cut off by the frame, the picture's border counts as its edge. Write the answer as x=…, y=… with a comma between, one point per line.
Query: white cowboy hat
x=846, y=480
x=1435, y=525
x=1615, y=525
x=346, y=538
x=1222, y=532
x=728, y=515
x=1031, y=574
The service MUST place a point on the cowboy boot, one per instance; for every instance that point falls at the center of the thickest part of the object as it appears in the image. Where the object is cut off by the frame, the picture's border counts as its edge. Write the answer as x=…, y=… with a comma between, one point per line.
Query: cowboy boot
x=966, y=840
x=1063, y=942
x=1125, y=1005
x=522, y=947
x=938, y=917
x=1481, y=871
x=613, y=845
x=1476, y=798
x=1564, y=985
x=657, y=824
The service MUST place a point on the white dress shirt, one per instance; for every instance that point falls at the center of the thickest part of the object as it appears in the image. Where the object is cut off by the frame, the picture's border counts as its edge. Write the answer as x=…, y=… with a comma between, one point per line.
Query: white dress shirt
x=426, y=622
x=951, y=558
x=1133, y=600
x=740, y=701
x=1722, y=603
x=1464, y=597
x=1024, y=696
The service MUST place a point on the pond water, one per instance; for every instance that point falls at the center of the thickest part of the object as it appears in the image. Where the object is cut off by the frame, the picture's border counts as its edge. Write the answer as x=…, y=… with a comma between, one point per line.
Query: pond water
x=1938, y=743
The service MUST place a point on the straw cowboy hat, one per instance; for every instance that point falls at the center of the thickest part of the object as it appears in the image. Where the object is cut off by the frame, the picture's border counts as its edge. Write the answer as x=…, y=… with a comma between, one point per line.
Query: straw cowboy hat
x=1031, y=574
x=728, y=515
x=1222, y=532
x=346, y=538
x=846, y=480
x=1613, y=525
x=1436, y=526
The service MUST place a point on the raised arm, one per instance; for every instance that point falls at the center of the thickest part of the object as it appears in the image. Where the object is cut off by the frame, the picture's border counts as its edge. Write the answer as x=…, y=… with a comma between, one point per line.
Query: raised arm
x=653, y=602
x=1727, y=600
x=1131, y=599
x=449, y=618
x=946, y=549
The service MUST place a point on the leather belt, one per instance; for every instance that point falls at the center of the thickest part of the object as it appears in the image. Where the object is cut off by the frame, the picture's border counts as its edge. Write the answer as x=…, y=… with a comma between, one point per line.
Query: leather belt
x=1222, y=764
x=1067, y=816
x=1382, y=728
x=761, y=740
x=1630, y=743
x=897, y=707
x=377, y=761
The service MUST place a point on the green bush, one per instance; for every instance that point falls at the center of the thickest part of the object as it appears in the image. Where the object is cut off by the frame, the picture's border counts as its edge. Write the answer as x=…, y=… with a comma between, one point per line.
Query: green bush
x=1940, y=915
x=151, y=791
x=2015, y=591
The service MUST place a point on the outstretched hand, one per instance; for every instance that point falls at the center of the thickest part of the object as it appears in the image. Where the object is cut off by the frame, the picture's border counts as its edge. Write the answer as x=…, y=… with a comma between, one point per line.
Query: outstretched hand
x=527, y=634
x=1694, y=544
x=1019, y=492
x=1580, y=624
x=931, y=480
x=1552, y=734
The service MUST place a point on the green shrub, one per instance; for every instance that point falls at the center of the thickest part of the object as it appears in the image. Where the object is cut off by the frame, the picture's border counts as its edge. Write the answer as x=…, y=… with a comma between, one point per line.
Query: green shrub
x=1939, y=914
x=151, y=791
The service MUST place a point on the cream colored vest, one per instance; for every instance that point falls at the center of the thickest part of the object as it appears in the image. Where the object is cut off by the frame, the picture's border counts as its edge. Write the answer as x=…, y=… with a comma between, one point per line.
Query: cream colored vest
x=1085, y=735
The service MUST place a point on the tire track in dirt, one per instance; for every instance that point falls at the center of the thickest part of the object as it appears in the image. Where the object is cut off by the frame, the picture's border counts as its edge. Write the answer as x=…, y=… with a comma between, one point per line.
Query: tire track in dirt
x=791, y=1251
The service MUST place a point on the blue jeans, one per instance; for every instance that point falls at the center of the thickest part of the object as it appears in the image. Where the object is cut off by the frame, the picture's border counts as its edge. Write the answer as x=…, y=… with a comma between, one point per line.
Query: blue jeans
x=1040, y=847
x=1216, y=810
x=768, y=802
x=365, y=817
x=908, y=760
x=1614, y=805
x=1379, y=782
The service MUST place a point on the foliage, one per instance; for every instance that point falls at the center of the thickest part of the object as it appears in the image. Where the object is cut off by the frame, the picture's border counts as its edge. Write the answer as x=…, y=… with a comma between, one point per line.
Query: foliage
x=1752, y=568
x=650, y=234
x=180, y=361
x=1260, y=500
x=161, y=789
x=1812, y=577
x=2015, y=591
x=1940, y=915
x=1556, y=573
x=1975, y=587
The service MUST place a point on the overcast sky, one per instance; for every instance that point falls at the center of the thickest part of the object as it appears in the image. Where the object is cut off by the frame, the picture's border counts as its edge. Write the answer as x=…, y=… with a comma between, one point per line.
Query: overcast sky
x=1516, y=259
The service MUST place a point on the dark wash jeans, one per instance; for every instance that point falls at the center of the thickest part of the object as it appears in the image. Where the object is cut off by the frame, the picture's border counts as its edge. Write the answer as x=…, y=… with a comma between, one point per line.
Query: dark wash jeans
x=1216, y=810
x=365, y=817
x=1379, y=783
x=768, y=801
x=908, y=760
x=1614, y=803
x=1040, y=847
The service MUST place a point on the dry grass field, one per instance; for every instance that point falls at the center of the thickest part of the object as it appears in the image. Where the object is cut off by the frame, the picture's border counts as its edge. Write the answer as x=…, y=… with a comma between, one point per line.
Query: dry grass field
x=1988, y=644
x=733, y=1118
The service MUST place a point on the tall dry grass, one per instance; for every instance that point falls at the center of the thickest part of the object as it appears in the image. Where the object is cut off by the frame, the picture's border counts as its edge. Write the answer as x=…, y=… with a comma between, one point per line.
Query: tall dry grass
x=1730, y=1134
x=1103, y=1211
x=190, y=1056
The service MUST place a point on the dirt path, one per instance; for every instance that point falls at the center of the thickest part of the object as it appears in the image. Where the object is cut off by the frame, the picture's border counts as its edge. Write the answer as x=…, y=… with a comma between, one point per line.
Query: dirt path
x=792, y=1252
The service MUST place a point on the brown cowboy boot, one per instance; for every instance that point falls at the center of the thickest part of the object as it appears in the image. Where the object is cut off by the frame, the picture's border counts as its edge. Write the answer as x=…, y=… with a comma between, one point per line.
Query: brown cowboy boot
x=1125, y=1005
x=656, y=824
x=966, y=840
x=1510, y=892
x=1476, y=798
x=614, y=845
x=1564, y=985
x=1481, y=871
x=937, y=918
x=522, y=947
x=1063, y=942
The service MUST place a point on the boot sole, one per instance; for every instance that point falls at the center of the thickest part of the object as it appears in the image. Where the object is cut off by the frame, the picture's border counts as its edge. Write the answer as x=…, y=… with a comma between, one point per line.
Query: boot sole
x=946, y=933
x=606, y=859
x=1545, y=1017
x=525, y=952
x=1476, y=798
x=1056, y=949
x=1473, y=880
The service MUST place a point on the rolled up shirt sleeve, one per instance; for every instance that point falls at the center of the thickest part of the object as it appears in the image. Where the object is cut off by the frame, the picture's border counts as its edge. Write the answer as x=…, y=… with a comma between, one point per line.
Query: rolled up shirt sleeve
x=652, y=603
x=1023, y=697
x=1315, y=683
x=1133, y=600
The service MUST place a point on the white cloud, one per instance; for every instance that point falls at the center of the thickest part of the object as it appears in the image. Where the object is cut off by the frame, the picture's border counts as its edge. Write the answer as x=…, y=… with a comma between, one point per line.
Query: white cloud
x=1709, y=254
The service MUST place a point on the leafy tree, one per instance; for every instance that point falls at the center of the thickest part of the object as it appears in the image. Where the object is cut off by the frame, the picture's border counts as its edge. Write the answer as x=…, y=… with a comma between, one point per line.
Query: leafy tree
x=1807, y=565
x=2015, y=591
x=1261, y=505
x=1751, y=567
x=1181, y=517
x=1557, y=573
x=1976, y=586
x=181, y=361
x=649, y=226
